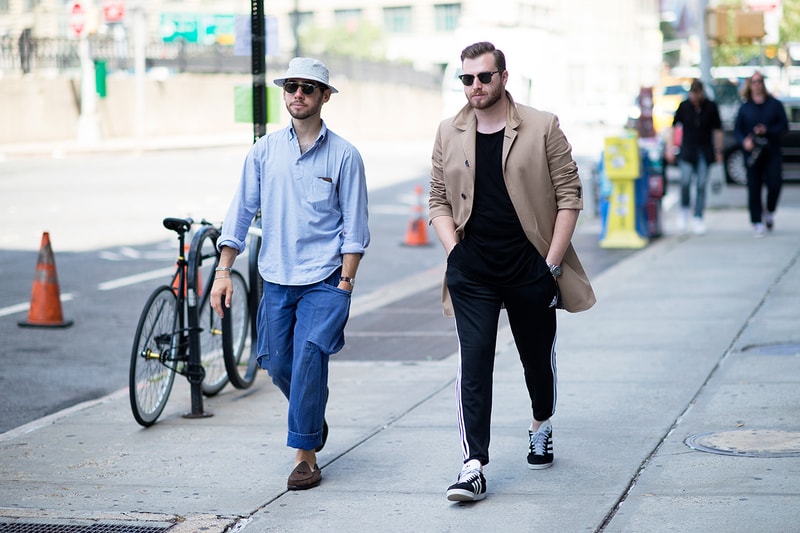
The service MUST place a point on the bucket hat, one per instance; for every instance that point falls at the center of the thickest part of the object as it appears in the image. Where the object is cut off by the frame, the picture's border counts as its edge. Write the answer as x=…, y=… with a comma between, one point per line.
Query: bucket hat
x=308, y=69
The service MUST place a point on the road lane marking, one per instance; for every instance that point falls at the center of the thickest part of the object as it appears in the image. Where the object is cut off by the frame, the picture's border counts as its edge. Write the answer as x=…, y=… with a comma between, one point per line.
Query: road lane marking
x=22, y=308
x=133, y=280
x=396, y=291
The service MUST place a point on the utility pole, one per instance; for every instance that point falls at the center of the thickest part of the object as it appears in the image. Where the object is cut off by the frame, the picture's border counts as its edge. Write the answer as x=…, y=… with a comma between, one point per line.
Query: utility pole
x=296, y=28
x=259, y=68
x=705, y=48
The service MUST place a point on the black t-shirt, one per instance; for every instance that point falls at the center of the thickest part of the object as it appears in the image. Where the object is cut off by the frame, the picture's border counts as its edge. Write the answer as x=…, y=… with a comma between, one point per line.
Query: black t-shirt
x=697, y=128
x=495, y=248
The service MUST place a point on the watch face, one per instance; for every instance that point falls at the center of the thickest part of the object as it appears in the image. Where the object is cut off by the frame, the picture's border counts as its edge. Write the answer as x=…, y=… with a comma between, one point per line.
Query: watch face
x=556, y=271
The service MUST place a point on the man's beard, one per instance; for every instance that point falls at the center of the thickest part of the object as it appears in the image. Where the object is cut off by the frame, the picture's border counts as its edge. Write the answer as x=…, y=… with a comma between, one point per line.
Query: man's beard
x=302, y=113
x=491, y=98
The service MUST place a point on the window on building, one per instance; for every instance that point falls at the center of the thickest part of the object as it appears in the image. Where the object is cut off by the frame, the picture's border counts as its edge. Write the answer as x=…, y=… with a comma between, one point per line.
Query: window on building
x=397, y=19
x=446, y=16
x=347, y=16
x=304, y=19
x=4, y=7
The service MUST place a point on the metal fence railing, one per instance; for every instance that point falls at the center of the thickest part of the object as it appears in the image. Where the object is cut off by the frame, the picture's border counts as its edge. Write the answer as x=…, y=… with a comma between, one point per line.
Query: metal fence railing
x=28, y=54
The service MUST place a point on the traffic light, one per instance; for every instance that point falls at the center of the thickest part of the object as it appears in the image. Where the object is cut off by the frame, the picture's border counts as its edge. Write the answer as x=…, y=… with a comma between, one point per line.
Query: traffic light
x=749, y=25
x=717, y=28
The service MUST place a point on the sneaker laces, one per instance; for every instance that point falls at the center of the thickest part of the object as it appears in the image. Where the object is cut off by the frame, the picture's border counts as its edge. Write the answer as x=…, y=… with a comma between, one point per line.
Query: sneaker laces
x=538, y=442
x=469, y=475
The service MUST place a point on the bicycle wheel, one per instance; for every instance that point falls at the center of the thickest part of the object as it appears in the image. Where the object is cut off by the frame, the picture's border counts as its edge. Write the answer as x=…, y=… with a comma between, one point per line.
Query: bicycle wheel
x=241, y=368
x=255, y=280
x=211, y=355
x=155, y=347
x=204, y=246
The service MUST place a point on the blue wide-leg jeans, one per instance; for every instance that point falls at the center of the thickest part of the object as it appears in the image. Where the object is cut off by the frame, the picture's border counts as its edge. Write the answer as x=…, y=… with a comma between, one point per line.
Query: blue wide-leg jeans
x=299, y=327
x=689, y=170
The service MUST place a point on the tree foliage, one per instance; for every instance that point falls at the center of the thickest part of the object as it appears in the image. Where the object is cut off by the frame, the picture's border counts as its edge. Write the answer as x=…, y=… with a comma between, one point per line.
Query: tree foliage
x=359, y=39
x=756, y=53
x=790, y=22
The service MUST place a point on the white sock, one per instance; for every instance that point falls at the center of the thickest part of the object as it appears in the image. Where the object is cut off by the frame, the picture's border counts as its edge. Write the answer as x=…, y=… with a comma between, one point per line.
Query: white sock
x=473, y=464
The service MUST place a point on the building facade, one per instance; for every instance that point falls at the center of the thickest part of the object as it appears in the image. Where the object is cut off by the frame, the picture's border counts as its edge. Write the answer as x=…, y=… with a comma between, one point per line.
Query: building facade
x=582, y=58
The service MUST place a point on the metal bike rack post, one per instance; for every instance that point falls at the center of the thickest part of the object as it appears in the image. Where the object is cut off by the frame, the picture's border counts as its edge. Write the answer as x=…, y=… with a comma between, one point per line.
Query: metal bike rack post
x=194, y=368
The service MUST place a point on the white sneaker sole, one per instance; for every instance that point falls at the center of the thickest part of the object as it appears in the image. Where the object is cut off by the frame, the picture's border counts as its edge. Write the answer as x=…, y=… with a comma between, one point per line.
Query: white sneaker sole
x=461, y=495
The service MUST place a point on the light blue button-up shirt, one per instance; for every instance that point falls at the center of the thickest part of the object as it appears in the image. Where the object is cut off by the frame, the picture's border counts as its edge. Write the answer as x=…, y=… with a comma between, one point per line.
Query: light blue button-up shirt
x=313, y=206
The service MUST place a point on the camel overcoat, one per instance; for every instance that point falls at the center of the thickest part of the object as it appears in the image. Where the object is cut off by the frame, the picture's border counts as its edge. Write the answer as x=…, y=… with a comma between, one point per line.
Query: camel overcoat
x=541, y=177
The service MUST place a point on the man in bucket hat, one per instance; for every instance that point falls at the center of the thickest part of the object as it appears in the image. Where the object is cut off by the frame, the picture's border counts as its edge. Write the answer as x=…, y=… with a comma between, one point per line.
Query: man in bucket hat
x=310, y=186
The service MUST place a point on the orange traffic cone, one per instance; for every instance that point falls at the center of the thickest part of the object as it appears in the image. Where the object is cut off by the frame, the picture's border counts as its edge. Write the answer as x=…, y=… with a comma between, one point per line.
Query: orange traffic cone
x=417, y=232
x=45, y=310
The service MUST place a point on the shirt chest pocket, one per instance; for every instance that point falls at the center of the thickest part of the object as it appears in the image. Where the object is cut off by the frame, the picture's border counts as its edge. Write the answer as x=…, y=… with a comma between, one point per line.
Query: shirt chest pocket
x=321, y=192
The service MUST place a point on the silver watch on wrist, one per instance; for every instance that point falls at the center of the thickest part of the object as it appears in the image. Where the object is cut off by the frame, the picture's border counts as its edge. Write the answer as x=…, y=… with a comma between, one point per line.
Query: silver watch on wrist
x=555, y=270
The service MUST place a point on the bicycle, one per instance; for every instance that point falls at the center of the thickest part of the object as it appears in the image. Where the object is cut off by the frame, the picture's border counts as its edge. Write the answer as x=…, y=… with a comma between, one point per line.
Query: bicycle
x=176, y=335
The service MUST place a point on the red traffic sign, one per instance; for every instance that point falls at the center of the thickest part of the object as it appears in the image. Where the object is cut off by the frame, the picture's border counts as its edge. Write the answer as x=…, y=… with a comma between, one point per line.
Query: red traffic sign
x=113, y=10
x=77, y=19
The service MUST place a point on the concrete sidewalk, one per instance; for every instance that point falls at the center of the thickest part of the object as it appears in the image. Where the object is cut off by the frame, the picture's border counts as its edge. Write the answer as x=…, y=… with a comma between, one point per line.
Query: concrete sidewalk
x=694, y=337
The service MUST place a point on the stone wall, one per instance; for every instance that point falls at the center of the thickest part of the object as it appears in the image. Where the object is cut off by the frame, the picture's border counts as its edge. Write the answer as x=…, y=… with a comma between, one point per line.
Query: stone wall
x=36, y=108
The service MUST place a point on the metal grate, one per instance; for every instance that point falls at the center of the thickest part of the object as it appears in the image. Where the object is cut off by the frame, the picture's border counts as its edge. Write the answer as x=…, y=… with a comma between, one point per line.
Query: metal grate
x=64, y=527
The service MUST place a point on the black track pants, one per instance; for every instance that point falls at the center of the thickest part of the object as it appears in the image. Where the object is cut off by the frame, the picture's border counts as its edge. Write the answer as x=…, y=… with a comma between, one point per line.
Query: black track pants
x=766, y=171
x=533, y=325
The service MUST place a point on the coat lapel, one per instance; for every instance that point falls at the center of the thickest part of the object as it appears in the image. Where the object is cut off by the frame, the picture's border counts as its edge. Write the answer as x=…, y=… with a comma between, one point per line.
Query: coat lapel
x=468, y=146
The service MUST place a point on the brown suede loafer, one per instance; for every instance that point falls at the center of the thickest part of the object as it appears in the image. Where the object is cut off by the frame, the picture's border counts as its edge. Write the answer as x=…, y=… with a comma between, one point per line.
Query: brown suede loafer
x=303, y=477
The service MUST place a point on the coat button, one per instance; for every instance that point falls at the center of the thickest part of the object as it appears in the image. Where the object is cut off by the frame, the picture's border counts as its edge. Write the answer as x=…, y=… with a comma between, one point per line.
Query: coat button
x=464, y=196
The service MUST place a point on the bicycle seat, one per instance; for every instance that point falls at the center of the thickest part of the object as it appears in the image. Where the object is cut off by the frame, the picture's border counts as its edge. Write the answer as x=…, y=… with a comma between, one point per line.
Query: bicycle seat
x=180, y=225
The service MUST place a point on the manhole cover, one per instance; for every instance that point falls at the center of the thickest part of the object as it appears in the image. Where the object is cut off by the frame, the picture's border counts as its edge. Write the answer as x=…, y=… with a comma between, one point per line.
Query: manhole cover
x=774, y=349
x=748, y=443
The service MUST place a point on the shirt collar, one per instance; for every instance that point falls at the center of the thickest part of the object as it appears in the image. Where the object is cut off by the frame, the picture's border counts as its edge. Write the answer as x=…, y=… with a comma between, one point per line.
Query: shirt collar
x=323, y=132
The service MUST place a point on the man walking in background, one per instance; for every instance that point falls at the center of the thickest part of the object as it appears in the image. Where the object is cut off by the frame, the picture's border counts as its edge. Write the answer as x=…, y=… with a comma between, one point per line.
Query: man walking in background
x=701, y=145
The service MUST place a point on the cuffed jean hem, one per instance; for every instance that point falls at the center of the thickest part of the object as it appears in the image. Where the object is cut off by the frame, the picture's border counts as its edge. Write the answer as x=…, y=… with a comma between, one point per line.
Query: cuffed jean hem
x=301, y=441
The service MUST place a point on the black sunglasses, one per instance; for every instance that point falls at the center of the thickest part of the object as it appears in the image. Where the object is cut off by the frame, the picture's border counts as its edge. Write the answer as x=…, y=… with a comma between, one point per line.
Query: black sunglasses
x=484, y=77
x=292, y=86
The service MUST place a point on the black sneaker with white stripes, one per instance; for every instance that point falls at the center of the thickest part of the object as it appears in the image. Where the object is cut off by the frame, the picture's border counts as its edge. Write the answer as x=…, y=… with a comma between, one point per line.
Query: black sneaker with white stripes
x=540, y=451
x=470, y=487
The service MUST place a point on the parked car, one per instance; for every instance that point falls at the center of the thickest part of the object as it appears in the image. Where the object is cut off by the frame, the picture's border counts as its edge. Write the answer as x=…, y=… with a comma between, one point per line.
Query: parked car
x=735, y=170
x=791, y=141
